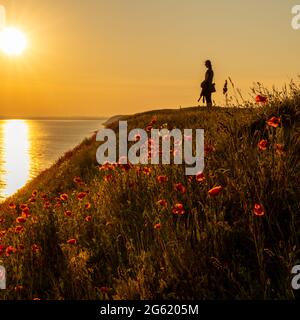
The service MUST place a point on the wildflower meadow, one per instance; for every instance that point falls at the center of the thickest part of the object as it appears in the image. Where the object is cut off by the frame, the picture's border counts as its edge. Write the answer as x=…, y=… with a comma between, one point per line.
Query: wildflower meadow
x=81, y=230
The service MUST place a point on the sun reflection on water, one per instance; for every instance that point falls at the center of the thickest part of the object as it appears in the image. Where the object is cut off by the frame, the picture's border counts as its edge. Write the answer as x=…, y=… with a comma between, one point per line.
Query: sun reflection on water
x=16, y=162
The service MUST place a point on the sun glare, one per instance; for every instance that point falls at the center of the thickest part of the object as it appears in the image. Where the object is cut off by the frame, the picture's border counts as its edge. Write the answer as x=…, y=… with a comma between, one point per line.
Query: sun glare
x=15, y=162
x=13, y=42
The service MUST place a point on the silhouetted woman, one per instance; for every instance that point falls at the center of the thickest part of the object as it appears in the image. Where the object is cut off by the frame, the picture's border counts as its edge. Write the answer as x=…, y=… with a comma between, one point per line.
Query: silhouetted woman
x=208, y=87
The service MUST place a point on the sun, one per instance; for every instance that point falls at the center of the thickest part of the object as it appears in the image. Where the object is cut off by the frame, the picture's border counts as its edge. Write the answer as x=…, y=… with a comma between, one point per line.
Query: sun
x=13, y=42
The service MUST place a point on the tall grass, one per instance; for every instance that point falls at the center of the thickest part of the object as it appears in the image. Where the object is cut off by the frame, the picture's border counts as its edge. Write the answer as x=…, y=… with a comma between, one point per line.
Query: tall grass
x=107, y=236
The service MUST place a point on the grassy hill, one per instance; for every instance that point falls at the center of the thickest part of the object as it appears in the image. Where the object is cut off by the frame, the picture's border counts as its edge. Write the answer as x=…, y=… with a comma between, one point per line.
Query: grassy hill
x=82, y=231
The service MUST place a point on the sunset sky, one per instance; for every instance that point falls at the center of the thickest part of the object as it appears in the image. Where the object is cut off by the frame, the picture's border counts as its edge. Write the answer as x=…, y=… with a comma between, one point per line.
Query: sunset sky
x=100, y=57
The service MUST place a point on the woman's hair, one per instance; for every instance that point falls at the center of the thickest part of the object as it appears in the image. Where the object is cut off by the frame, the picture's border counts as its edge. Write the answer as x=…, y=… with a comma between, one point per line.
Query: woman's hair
x=208, y=63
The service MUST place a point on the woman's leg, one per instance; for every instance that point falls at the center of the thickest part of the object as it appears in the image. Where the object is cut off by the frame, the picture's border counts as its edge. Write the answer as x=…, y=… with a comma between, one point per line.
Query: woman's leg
x=208, y=100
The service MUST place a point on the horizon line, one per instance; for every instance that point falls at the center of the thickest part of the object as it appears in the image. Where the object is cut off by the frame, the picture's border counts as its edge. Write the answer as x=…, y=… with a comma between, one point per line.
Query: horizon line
x=53, y=117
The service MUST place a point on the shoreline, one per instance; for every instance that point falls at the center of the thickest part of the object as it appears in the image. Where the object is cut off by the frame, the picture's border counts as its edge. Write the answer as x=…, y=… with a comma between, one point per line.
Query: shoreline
x=64, y=154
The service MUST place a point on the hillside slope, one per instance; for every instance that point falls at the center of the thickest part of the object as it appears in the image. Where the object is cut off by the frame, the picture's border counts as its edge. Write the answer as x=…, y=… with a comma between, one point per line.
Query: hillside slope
x=84, y=231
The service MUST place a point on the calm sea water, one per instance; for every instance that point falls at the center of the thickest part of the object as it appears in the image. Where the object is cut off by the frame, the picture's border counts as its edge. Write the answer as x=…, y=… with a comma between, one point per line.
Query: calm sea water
x=29, y=146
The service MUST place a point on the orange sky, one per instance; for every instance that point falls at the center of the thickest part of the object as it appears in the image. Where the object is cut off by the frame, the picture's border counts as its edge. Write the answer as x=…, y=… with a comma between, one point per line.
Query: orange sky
x=99, y=58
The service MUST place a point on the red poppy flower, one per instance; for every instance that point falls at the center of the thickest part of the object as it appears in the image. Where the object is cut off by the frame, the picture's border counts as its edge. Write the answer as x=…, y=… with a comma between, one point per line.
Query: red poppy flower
x=35, y=248
x=81, y=195
x=209, y=149
x=12, y=206
x=162, y=203
x=157, y=226
x=44, y=196
x=178, y=209
x=19, y=229
x=32, y=200
x=149, y=128
x=87, y=206
x=21, y=219
x=274, y=122
x=10, y=250
x=26, y=212
x=258, y=210
x=180, y=187
x=2, y=233
x=68, y=213
x=108, y=177
x=64, y=197
x=72, y=241
x=88, y=218
x=34, y=193
x=104, y=290
x=19, y=288
x=57, y=205
x=162, y=179
x=262, y=145
x=47, y=205
x=147, y=171
x=200, y=177
x=23, y=206
x=215, y=191
x=261, y=99
x=77, y=180
x=125, y=167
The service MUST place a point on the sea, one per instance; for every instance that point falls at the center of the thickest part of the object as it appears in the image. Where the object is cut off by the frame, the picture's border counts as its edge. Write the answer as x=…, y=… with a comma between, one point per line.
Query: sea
x=27, y=147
